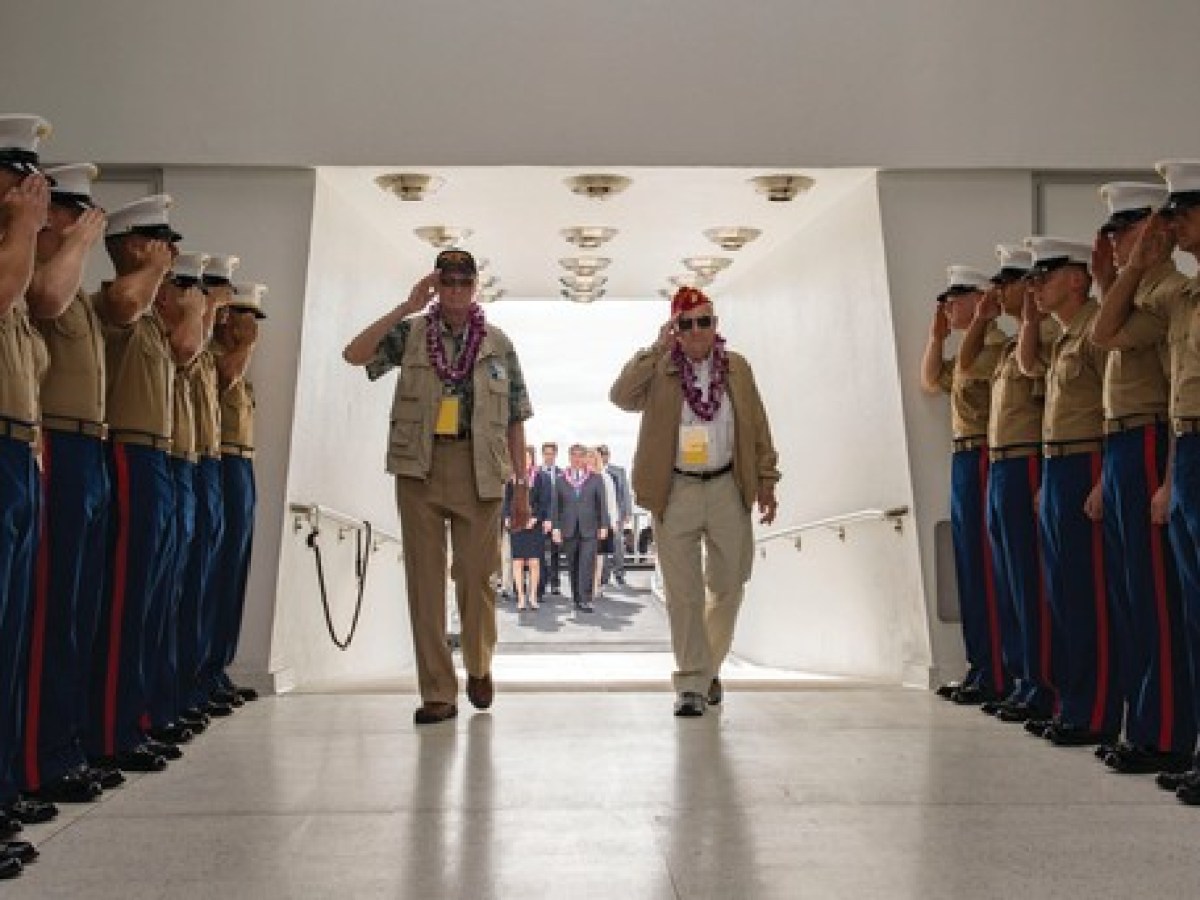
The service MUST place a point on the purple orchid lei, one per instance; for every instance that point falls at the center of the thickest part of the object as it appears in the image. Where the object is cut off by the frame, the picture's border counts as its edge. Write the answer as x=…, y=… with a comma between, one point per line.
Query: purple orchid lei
x=705, y=410
x=453, y=373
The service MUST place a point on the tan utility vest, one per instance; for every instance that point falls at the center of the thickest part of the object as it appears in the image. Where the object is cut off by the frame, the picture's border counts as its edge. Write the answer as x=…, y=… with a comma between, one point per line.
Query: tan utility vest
x=415, y=407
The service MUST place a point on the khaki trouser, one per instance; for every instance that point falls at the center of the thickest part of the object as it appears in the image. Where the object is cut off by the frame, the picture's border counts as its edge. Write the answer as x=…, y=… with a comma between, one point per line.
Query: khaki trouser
x=704, y=592
x=448, y=494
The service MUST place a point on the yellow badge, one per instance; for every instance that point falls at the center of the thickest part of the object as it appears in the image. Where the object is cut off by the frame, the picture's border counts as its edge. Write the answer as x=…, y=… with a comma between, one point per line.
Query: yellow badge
x=693, y=445
x=448, y=414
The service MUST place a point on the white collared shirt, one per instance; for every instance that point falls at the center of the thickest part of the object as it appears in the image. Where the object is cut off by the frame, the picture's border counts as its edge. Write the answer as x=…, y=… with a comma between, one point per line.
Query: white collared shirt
x=720, y=429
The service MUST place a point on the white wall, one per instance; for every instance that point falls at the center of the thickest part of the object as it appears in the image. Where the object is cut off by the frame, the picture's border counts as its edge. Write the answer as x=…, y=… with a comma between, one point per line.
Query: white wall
x=918, y=83
x=263, y=217
x=339, y=440
x=814, y=320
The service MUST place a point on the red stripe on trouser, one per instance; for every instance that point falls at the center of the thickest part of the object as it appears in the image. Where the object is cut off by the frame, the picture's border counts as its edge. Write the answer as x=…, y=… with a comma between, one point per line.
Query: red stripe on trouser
x=1166, y=662
x=989, y=581
x=37, y=639
x=120, y=574
x=1045, y=659
x=1100, y=597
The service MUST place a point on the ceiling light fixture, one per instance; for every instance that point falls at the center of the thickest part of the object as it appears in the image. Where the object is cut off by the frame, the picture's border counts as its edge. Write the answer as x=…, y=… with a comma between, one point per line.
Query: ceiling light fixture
x=732, y=237
x=708, y=266
x=781, y=188
x=583, y=296
x=588, y=237
x=583, y=282
x=443, y=236
x=598, y=187
x=410, y=185
x=584, y=265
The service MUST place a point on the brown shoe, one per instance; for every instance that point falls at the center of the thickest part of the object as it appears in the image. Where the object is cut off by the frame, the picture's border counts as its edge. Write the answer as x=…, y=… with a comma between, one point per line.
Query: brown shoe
x=431, y=713
x=480, y=691
x=716, y=693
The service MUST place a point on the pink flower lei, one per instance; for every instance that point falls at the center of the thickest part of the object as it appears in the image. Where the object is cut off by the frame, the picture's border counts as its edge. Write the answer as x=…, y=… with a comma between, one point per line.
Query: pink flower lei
x=453, y=373
x=705, y=410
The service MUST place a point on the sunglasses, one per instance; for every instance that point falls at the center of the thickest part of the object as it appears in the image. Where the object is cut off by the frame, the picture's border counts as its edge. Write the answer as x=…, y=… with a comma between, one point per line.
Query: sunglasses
x=456, y=282
x=697, y=322
x=183, y=282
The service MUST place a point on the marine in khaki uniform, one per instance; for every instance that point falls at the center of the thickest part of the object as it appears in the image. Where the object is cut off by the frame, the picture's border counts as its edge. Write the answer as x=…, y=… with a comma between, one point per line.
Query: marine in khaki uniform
x=969, y=388
x=24, y=199
x=1070, y=508
x=1160, y=730
x=457, y=424
x=141, y=351
x=235, y=340
x=76, y=493
x=1014, y=478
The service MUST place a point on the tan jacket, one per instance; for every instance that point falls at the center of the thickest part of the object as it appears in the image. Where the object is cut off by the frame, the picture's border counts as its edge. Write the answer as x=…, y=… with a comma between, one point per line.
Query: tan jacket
x=650, y=384
x=415, y=406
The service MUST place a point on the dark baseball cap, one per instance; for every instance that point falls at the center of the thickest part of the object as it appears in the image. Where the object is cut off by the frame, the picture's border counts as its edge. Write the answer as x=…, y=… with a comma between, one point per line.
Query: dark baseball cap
x=456, y=262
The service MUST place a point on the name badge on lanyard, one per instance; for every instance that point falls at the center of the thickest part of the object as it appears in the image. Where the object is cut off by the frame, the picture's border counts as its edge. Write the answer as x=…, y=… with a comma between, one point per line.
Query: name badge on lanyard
x=448, y=417
x=694, y=443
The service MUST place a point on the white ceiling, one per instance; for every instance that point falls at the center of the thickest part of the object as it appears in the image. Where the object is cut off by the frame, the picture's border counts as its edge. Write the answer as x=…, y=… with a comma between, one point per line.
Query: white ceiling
x=516, y=214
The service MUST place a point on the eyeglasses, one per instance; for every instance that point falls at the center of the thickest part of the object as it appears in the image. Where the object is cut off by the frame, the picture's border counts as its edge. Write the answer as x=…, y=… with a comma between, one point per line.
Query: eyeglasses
x=456, y=282
x=697, y=322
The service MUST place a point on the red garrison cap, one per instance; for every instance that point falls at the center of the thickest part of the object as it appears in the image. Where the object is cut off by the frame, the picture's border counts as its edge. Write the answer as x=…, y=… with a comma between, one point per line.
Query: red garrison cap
x=686, y=299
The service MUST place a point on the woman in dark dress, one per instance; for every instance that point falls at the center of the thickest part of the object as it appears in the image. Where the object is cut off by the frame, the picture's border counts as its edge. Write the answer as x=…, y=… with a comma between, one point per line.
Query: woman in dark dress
x=528, y=542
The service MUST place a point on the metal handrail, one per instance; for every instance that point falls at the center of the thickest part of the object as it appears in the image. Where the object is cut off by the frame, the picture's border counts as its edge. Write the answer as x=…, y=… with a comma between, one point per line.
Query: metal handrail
x=895, y=515
x=312, y=514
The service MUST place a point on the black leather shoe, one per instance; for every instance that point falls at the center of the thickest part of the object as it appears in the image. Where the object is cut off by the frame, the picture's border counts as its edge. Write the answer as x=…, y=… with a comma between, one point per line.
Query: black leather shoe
x=228, y=696
x=32, y=812
x=990, y=707
x=1013, y=712
x=689, y=705
x=218, y=710
x=172, y=734
x=947, y=691
x=168, y=752
x=9, y=826
x=1131, y=760
x=108, y=777
x=716, y=692
x=1189, y=793
x=10, y=867
x=1038, y=727
x=192, y=716
x=139, y=759
x=248, y=694
x=1062, y=735
x=1173, y=781
x=71, y=788
x=972, y=696
x=480, y=691
x=432, y=713
x=21, y=850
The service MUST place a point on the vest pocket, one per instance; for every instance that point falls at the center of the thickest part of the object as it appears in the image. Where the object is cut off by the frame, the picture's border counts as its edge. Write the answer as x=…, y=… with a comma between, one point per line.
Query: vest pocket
x=497, y=401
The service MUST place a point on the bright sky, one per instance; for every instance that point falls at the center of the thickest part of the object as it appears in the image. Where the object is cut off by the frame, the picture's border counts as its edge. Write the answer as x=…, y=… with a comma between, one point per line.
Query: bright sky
x=570, y=354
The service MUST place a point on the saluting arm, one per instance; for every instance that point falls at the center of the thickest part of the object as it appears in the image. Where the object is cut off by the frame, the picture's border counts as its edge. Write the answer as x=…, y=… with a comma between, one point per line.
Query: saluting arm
x=632, y=387
x=986, y=312
x=361, y=350
x=56, y=281
x=22, y=214
x=1153, y=247
x=933, y=361
x=1029, y=340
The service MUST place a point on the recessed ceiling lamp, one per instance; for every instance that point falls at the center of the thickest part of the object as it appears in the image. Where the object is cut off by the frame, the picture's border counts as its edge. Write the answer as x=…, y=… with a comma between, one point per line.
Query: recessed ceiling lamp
x=584, y=265
x=410, y=185
x=691, y=281
x=588, y=237
x=708, y=266
x=732, y=237
x=443, y=236
x=583, y=282
x=781, y=188
x=491, y=295
x=598, y=187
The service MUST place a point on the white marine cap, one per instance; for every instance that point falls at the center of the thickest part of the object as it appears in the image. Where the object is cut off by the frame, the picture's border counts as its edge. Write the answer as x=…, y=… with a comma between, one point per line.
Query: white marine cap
x=73, y=185
x=190, y=264
x=248, y=296
x=19, y=136
x=1015, y=262
x=146, y=216
x=1183, y=182
x=964, y=280
x=1129, y=202
x=220, y=269
x=1050, y=253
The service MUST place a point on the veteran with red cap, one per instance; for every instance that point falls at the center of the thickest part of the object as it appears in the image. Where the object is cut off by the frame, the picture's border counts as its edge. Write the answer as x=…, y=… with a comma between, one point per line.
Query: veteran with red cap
x=704, y=458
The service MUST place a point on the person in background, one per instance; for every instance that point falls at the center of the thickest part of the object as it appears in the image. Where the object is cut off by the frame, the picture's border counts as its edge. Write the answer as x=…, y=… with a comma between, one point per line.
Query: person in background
x=604, y=549
x=614, y=564
x=528, y=541
x=580, y=523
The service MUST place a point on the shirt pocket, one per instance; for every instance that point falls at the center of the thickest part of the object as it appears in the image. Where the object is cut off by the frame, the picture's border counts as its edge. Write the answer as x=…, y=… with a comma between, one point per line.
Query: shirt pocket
x=498, y=401
x=405, y=431
x=1069, y=367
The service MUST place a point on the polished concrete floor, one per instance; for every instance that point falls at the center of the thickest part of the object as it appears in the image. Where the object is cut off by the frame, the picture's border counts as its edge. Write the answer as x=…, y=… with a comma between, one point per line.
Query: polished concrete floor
x=817, y=793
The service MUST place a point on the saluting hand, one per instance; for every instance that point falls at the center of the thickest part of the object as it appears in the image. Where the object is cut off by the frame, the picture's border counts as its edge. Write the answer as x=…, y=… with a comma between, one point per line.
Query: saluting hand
x=767, y=504
x=27, y=204
x=939, y=329
x=153, y=256
x=422, y=294
x=1104, y=262
x=666, y=335
x=1155, y=244
x=988, y=309
x=86, y=230
x=1030, y=311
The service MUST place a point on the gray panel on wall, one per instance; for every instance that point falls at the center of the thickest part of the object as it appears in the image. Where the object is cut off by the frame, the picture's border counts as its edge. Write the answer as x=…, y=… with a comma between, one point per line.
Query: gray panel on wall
x=947, y=578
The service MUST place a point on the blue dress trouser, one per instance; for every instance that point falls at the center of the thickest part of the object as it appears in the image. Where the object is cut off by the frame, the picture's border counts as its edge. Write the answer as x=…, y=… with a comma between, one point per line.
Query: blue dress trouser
x=978, y=594
x=140, y=533
x=69, y=585
x=198, y=607
x=233, y=566
x=1032, y=651
x=1073, y=548
x=1148, y=610
x=18, y=539
x=1185, y=539
x=164, y=685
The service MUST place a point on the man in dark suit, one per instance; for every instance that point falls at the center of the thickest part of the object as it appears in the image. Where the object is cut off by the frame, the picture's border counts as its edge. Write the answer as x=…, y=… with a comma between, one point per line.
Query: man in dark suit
x=549, y=577
x=614, y=564
x=581, y=518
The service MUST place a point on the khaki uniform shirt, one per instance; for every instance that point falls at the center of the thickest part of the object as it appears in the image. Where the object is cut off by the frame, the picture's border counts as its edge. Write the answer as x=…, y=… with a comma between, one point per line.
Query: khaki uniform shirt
x=1075, y=382
x=74, y=385
x=971, y=391
x=183, y=417
x=1172, y=297
x=206, y=404
x=141, y=375
x=1018, y=401
x=1136, y=380
x=23, y=363
x=237, y=415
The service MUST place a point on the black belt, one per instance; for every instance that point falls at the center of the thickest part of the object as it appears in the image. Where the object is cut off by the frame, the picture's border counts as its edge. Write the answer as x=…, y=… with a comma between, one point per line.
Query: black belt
x=1185, y=425
x=1014, y=451
x=1070, y=448
x=707, y=476
x=975, y=442
x=141, y=438
x=70, y=425
x=1117, y=424
x=25, y=432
